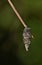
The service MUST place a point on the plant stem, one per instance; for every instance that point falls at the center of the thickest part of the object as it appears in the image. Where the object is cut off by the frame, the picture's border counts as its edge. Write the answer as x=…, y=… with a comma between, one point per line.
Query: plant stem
x=16, y=12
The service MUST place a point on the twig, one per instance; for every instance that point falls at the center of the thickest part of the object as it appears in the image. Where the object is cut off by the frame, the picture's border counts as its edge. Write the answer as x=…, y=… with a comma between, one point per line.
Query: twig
x=16, y=12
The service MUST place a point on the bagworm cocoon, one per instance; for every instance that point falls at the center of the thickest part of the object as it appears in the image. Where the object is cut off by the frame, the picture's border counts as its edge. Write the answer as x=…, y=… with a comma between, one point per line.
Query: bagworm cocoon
x=27, y=38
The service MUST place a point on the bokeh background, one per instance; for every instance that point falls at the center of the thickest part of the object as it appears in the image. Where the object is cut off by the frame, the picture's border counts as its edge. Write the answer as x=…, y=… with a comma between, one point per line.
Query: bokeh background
x=12, y=51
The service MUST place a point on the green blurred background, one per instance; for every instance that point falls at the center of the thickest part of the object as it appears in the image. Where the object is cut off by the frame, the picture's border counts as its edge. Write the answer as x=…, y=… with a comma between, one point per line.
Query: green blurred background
x=12, y=51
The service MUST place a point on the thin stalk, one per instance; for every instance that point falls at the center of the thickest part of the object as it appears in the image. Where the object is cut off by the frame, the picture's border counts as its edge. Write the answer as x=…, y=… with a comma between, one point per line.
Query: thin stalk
x=16, y=12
